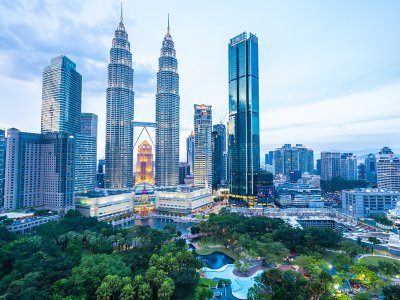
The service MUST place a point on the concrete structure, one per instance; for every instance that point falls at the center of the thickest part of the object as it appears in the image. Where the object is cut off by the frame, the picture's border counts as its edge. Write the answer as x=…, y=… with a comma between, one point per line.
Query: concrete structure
x=120, y=111
x=330, y=165
x=298, y=195
x=202, y=146
x=61, y=97
x=290, y=159
x=86, y=154
x=183, y=199
x=244, y=123
x=167, y=115
x=360, y=203
x=29, y=224
x=144, y=164
x=388, y=170
x=3, y=146
x=190, y=151
x=348, y=166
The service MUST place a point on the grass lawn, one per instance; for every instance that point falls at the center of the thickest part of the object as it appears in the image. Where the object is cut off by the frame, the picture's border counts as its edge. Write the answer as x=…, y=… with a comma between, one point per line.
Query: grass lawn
x=208, y=282
x=205, y=250
x=373, y=260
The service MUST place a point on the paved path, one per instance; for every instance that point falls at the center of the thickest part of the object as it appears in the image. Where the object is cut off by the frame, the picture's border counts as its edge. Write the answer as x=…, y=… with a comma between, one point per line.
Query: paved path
x=376, y=255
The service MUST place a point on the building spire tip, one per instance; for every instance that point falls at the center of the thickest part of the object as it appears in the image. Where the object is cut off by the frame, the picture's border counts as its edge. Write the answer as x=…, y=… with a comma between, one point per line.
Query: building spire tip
x=122, y=18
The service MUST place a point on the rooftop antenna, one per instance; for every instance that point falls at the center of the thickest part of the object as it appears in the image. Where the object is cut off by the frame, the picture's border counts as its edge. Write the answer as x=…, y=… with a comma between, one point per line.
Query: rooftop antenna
x=168, y=23
x=121, y=11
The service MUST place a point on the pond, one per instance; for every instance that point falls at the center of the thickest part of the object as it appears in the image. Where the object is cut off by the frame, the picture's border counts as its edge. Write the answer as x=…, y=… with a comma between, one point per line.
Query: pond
x=216, y=260
x=157, y=223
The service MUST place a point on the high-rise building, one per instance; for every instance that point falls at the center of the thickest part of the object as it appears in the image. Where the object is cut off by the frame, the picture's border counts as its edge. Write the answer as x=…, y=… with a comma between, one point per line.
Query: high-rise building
x=319, y=167
x=184, y=172
x=219, y=154
x=361, y=172
x=202, y=146
x=370, y=169
x=2, y=164
x=269, y=158
x=348, y=166
x=330, y=165
x=86, y=154
x=100, y=173
x=388, y=170
x=144, y=164
x=190, y=151
x=61, y=96
x=120, y=99
x=40, y=170
x=244, y=124
x=167, y=115
x=290, y=160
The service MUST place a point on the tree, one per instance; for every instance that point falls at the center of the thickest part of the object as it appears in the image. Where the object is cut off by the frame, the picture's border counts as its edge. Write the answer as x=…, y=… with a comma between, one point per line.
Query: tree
x=104, y=291
x=144, y=292
x=166, y=290
x=128, y=292
x=391, y=292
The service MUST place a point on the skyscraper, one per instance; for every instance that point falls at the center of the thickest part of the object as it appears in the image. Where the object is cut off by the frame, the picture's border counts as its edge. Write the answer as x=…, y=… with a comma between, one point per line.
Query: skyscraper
x=167, y=115
x=190, y=151
x=3, y=146
x=86, y=154
x=244, y=125
x=61, y=96
x=202, y=146
x=220, y=129
x=370, y=169
x=144, y=164
x=120, y=99
x=348, y=166
x=388, y=170
x=100, y=173
x=330, y=165
x=290, y=159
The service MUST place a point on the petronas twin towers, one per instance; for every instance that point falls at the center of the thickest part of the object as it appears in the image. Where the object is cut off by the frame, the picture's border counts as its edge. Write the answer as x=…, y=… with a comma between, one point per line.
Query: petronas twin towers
x=120, y=114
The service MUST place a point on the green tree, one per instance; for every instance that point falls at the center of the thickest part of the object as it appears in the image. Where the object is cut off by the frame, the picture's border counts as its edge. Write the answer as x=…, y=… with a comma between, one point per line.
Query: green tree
x=104, y=291
x=166, y=290
x=128, y=292
x=144, y=292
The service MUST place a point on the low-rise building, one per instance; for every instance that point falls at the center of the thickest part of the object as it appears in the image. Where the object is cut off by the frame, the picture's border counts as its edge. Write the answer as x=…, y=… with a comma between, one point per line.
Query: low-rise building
x=183, y=199
x=360, y=203
x=27, y=223
x=298, y=195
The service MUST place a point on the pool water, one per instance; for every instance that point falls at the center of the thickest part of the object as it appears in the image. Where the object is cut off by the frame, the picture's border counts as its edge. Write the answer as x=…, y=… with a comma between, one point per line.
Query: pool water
x=216, y=260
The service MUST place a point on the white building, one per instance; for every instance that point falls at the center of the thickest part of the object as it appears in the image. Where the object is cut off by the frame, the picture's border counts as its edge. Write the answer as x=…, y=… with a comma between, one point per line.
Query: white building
x=330, y=165
x=183, y=199
x=298, y=195
x=388, y=170
x=361, y=203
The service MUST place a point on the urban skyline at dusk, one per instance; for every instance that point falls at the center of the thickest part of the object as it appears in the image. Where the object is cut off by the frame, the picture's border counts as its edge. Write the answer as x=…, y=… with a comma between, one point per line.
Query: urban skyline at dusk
x=328, y=75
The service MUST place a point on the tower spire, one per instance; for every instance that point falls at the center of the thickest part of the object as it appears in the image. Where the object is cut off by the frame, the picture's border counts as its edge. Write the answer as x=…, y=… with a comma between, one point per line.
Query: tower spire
x=168, y=24
x=122, y=18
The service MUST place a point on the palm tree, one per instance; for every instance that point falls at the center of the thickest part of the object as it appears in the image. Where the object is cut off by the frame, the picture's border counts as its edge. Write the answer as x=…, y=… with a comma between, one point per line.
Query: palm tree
x=166, y=290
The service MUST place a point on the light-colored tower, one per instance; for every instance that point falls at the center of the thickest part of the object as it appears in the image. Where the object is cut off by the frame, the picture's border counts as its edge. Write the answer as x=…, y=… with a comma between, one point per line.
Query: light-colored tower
x=120, y=99
x=144, y=164
x=61, y=97
x=167, y=115
x=388, y=170
x=330, y=165
x=202, y=146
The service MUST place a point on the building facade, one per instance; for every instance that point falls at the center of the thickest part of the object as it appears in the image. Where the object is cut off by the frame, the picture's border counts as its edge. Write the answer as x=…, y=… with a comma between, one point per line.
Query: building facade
x=184, y=172
x=190, y=151
x=361, y=203
x=3, y=146
x=298, y=195
x=202, y=146
x=330, y=165
x=61, y=97
x=348, y=166
x=167, y=115
x=144, y=164
x=244, y=124
x=120, y=112
x=388, y=170
x=86, y=154
x=289, y=160
x=370, y=169
x=100, y=173
x=220, y=131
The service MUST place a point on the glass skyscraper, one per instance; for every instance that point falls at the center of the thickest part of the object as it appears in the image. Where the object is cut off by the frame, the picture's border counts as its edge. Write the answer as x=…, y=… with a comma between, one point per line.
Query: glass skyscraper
x=61, y=96
x=202, y=146
x=244, y=124
x=190, y=151
x=167, y=115
x=120, y=99
x=2, y=163
x=219, y=154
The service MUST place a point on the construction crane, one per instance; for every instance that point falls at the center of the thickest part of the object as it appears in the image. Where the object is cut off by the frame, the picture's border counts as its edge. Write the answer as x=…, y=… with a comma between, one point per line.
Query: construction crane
x=223, y=118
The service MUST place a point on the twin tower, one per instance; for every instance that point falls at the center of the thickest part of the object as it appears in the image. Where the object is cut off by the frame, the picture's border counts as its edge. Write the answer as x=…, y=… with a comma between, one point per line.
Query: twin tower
x=120, y=114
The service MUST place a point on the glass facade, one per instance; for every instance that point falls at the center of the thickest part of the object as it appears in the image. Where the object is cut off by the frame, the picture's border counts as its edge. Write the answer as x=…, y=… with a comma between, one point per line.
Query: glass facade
x=244, y=124
x=2, y=164
x=167, y=116
x=120, y=105
x=290, y=159
x=61, y=97
x=370, y=169
x=190, y=151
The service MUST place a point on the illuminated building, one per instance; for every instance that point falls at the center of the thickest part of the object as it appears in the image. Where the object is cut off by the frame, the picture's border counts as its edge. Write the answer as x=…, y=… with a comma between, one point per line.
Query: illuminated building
x=144, y=163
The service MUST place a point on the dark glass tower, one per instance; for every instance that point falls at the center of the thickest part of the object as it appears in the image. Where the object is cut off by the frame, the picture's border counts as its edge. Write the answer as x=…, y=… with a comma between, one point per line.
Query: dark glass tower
x=244, y=124
x=120, y=98
x=167, y=115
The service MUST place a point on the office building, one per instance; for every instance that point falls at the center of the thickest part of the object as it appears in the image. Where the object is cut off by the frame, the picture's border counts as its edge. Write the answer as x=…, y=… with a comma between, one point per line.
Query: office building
x=370, y=169
x=361, y=172
x=184, y=172
x=220, y=129
x=318, y=167
x=244, y=124
x=100, y=173
x=388, y=170
x=269, y=158
x=298, y=195
x=348, y=166
x=86, y=154
x=361, y=203
x=144, y=164
x=293, y=160
x=190, y=151
x=330, y=165
x=61, y=97
x=264, y=187
x=119, y=116
x=202, y=146
x=167, y=115
x=3, y=146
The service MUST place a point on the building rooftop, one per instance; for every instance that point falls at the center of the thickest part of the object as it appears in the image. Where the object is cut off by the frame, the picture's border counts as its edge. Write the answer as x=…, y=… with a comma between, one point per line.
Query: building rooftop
x=380, y=191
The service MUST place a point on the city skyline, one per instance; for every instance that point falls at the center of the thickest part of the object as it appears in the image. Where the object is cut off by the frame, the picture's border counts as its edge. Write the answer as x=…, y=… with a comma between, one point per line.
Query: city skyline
x=342, y=98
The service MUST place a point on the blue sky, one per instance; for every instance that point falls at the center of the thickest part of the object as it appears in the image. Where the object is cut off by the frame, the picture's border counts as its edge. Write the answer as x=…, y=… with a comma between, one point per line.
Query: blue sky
x=329, y=70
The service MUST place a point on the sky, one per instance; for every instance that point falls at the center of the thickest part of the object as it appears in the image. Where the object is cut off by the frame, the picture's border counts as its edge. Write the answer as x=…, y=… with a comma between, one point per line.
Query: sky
x=329, y=70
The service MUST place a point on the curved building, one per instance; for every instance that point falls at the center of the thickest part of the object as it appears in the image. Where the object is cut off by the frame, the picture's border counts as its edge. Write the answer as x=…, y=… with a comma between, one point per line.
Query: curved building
x=120, y=98
x=167, y=115
x=144, y=164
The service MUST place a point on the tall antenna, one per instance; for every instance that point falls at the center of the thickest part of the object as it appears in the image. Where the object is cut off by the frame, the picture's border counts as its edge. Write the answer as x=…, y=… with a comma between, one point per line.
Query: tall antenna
x=121, y=11
x=168, y=23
